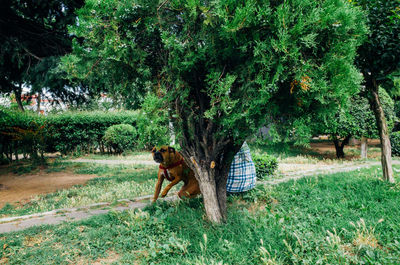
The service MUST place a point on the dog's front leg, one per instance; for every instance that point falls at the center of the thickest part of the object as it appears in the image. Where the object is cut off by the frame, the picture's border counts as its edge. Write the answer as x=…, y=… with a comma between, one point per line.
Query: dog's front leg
x=173, y=183
x=158, y=185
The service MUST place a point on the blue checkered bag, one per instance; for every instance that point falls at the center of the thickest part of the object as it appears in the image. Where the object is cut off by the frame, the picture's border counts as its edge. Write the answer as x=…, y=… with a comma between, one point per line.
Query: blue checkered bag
x=242, y=173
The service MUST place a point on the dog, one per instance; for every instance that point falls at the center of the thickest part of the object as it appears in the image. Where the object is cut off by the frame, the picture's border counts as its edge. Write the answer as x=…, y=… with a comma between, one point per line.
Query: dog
x=174, y=169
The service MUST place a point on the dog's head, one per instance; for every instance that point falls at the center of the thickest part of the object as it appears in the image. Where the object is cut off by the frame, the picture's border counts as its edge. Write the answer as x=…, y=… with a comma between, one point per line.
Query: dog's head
x=164, y=154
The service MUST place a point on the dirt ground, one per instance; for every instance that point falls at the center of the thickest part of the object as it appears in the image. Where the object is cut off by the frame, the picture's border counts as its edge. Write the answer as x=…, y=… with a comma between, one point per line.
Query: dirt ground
x=19, y=189
x=327, y=149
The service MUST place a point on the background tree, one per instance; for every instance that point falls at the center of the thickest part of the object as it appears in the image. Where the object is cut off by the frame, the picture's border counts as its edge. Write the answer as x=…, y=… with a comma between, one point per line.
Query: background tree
x=33, y=35
x=356, y=119
x=377, y=58
x=221, y=67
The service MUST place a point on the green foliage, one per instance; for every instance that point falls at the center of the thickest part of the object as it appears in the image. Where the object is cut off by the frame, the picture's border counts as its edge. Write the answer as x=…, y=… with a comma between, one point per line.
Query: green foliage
x=75, y=132
x=22, y=133
x=153, y=123
x=265, y=165
x=357, y=119
x=34, y=35
x=222, y=67
x=395, y=143
x=120, y=137
x=379, y=56
x=315, y=220
x=215, y=62
x=83, y=131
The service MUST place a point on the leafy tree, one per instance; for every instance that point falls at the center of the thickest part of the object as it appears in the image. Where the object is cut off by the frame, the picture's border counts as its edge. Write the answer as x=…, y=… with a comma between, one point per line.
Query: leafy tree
x=33, y=35
x=356, y=119
x=377, y=58
x=220, y=67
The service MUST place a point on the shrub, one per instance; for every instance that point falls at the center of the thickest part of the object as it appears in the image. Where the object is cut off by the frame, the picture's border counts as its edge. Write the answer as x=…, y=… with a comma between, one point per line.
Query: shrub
x=120, y=137
x=265, y=165
x=21, y=133
x=76, y=132
x=83, y=131
x=395, y=143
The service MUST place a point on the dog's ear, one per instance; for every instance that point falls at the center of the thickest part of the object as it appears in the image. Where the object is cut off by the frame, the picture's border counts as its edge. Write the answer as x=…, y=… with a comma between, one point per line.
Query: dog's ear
x=171, y=149
x=154, y=149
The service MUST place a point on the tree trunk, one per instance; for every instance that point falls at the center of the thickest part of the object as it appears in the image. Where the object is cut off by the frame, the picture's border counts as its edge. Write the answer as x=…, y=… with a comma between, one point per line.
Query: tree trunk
x=386, y=149
x=16, y=150
x=39, y=99
x=212, y=181
x=210, y=197
x=18, y=94
x=340, y=146
x=364, y=147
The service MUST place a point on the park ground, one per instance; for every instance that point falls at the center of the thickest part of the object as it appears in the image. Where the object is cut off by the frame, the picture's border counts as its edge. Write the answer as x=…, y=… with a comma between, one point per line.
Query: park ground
x=325, y=217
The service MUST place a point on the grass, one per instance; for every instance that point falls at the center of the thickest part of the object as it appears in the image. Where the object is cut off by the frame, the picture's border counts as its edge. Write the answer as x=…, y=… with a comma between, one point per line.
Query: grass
x=344, y=218
x=137, y=155
x=113, y=183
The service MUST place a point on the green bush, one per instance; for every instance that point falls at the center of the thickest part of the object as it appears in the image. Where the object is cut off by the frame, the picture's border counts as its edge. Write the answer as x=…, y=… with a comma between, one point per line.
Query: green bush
x=75, y=132
x=22, y=133
x=120, y=137
x=265, y=165
x=395, y=143
x=82, y=132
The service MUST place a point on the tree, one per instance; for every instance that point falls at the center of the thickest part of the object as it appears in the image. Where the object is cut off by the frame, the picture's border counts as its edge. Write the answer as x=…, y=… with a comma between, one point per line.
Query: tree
x=221, y=67
x=356, y=119
x=33, y=36
x=377, y=58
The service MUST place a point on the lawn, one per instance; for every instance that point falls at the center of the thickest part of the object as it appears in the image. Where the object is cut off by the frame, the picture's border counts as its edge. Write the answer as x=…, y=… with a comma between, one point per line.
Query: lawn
x=344, y=218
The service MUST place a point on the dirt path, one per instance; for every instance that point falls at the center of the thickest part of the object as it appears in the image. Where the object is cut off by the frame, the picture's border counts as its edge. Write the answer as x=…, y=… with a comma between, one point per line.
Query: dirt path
x=17, y=189
x=11, y=224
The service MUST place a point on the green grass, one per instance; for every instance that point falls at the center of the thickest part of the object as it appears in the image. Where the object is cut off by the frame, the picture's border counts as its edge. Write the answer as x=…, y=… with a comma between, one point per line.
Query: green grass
x=113, y=183
x=345, y=218
x=125, y=156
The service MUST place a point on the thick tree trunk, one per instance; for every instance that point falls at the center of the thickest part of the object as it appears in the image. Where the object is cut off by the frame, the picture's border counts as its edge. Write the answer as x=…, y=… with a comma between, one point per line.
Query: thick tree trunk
x=386, y=149
x=212, y=181
x=210, y=197
x=340, y=146
x=364, y=147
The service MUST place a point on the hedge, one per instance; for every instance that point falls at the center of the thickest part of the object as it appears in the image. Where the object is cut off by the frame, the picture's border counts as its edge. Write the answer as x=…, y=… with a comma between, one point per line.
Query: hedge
x=395, y=143
x=83, y=132
x=73, y=132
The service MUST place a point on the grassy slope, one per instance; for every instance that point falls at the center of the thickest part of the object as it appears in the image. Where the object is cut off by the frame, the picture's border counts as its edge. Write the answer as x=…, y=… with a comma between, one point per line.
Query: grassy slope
x=310, y=221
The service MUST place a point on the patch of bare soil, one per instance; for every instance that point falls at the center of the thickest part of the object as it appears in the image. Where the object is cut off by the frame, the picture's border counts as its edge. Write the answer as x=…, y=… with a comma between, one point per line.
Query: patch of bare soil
x=327, y=149
x=19, y=189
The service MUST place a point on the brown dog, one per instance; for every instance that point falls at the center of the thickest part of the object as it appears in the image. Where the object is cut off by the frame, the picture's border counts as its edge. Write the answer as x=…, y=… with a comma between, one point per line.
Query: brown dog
x=173, y=168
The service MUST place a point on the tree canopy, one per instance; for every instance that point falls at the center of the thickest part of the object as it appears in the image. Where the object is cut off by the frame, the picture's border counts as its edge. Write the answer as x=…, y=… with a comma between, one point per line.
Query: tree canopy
x=33, y=36
x=378, y=58
x=221, y=67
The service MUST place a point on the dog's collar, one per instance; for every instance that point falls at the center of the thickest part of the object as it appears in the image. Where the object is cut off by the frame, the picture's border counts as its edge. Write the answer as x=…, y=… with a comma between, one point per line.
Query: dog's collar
x=169, y=167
